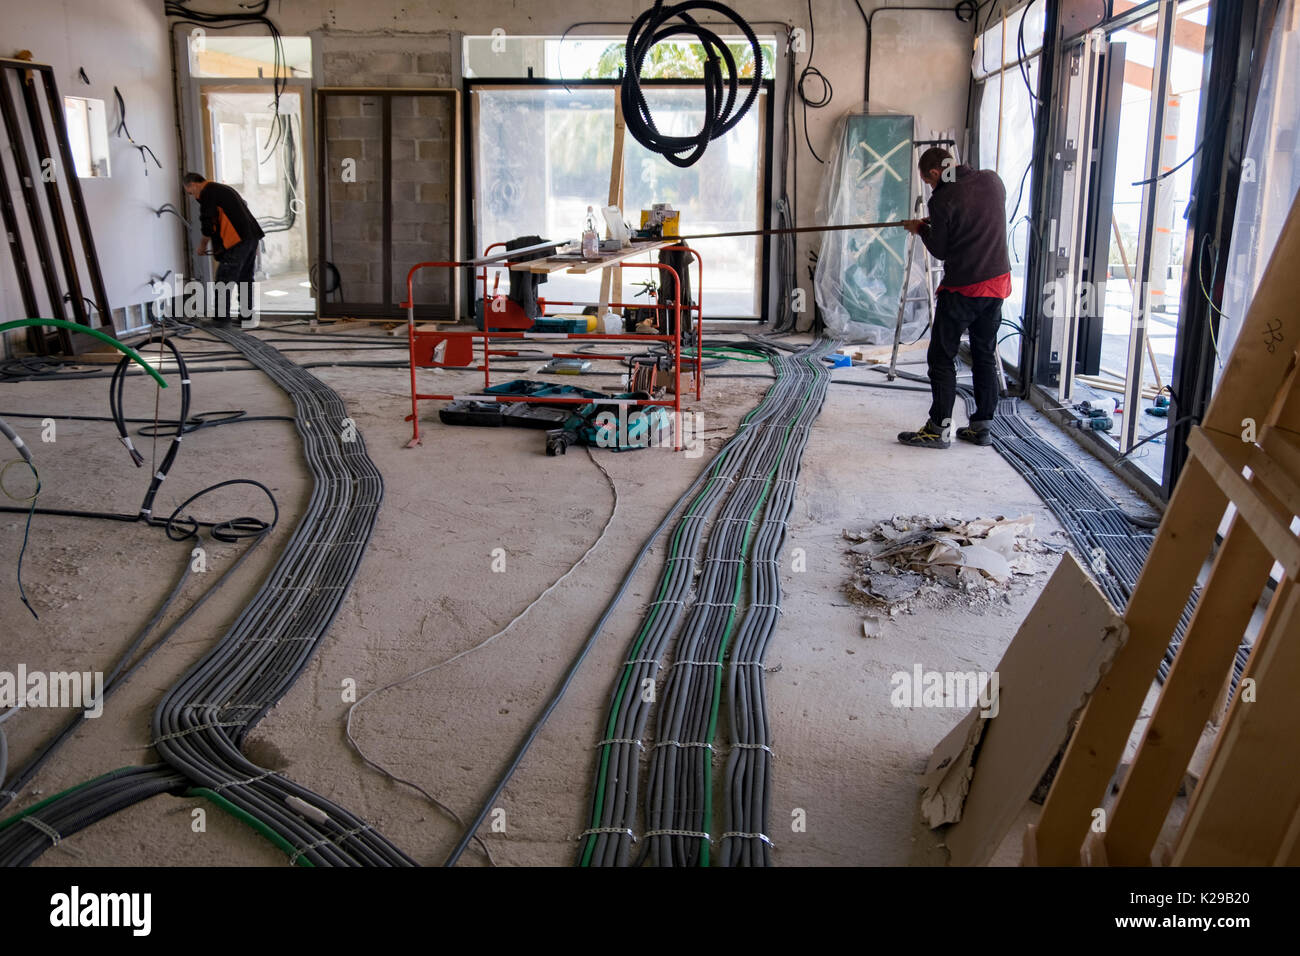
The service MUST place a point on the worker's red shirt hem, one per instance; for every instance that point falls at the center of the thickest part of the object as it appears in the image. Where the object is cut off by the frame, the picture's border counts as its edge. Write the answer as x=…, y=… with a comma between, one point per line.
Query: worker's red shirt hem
x=996, y=288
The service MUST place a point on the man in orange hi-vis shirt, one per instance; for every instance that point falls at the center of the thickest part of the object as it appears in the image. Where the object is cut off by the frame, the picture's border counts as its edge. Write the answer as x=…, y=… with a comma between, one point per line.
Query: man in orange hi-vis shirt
x=234, y=233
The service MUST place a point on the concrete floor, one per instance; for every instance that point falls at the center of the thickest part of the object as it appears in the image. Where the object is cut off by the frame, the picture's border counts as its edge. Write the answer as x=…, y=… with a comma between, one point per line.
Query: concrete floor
x=426, y=591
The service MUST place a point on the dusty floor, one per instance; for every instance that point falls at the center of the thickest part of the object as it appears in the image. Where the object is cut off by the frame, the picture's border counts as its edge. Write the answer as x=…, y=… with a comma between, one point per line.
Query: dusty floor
x=427, y=590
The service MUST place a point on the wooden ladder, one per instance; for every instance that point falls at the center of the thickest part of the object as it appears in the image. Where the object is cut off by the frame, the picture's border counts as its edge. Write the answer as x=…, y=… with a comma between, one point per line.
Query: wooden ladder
x=1245, y=808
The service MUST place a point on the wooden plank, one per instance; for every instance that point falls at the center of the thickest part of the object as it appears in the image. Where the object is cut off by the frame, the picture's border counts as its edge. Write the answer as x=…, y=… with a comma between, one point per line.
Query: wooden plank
x=1279, y=481
x=542, y=266
x=1253, y=374
x=1255, y=371
x=612, y=279
x=585, y=267
x=1176, y=557
x=1227, y=823
x=1288, y=853
x=1044, y=678
x=1216, y=453
x=1282, y=446
x=1188, y=696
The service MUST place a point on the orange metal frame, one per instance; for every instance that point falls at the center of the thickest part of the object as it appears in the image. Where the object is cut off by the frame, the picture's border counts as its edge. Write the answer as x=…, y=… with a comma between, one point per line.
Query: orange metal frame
x=414, y=335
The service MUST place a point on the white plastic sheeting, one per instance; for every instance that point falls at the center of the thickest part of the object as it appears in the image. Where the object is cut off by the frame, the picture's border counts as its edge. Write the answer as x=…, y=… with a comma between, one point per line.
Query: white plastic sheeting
x=858, y=280
x=1270, y=177
x=988, y=47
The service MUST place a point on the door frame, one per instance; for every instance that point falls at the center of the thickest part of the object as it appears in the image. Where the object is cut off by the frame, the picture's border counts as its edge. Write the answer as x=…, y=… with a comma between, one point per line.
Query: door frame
x=195, y=142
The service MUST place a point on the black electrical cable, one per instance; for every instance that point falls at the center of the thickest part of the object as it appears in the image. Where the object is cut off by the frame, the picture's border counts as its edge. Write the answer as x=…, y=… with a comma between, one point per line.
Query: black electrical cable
x=78, y=808
x=559, y=692
x=1152, y=437
x=1213, y=131
x=333, y=280
x=199, y=725
x=1108, y=542
x=120, y=673
x=288, y=143
x=182, y=13
x=721, y=113
x=169, y=208
x=866, y=20
x=811, y=72
x=122, y=129
x=25, y=457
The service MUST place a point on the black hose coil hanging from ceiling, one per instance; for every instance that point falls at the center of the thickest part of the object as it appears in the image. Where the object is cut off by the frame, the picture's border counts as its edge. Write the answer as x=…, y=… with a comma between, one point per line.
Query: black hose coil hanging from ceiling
x=719, y=115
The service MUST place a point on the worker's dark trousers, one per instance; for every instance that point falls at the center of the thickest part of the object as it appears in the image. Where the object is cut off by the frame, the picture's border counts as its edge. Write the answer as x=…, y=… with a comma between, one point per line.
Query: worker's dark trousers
x=235, y=265
x=980, y=317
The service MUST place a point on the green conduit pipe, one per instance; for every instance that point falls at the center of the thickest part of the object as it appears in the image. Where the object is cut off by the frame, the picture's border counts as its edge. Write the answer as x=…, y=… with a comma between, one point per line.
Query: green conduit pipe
x=245, y=817
x=77, y=327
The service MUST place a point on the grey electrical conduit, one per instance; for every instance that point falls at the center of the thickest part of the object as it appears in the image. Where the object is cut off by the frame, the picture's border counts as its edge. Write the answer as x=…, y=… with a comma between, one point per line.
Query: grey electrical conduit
x=681, y=777
x=571, y=673
x=263, y=653
x=610, y=844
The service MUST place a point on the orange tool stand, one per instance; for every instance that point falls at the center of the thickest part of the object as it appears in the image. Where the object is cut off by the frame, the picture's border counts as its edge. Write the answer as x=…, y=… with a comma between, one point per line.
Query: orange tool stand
x=439, y=348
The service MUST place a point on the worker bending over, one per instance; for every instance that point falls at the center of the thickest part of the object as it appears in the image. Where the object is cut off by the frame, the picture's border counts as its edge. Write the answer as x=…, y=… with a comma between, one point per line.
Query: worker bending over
x=967, y=230
x=234, y=233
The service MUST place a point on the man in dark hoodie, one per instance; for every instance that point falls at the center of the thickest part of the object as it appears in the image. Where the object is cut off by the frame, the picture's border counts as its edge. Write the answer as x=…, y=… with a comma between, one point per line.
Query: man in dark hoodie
x=233, y=231
x=967, y=230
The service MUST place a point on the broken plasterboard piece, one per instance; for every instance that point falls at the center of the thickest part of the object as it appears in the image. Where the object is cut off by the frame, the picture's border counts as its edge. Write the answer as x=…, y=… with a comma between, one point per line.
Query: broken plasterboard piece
x=947, y=776
x=1044, y=680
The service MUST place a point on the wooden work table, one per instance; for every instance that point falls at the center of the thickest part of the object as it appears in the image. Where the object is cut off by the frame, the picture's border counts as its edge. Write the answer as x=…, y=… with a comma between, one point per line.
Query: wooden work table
x=576, y=266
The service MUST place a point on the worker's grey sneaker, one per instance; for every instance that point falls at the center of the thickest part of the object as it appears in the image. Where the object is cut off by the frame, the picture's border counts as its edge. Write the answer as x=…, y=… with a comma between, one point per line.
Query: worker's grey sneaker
x=976, y=436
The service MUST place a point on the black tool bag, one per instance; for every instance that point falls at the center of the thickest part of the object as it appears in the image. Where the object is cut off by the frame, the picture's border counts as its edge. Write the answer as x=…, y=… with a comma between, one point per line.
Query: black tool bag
x=523, y=285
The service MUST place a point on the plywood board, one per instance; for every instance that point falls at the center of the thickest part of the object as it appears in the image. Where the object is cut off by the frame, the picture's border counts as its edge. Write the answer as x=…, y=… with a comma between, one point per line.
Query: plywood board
x=1043, y=681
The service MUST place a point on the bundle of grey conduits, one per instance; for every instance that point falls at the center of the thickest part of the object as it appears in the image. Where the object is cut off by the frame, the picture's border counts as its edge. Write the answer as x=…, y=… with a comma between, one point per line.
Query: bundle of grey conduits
x=736, y=523
x=200, y=723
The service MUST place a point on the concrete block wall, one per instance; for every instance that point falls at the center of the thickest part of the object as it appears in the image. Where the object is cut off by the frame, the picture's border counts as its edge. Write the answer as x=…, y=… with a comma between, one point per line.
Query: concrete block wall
x=420, y=146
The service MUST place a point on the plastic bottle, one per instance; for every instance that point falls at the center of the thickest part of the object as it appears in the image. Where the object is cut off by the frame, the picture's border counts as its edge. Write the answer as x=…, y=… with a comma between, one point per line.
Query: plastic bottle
x=590, y=238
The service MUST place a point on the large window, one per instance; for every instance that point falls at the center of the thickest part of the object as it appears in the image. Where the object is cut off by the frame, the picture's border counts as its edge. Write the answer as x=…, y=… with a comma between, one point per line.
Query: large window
x=247, y=57
x=1270, y=178
x=596, y=57
x=542, y=155
x=1146, y=221
x=87, y=136
x=1007, y=82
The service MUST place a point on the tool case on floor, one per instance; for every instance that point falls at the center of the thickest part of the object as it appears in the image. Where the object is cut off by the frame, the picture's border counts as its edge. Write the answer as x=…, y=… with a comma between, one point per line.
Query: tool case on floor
x=567, y=424
x=529, y=415
x=482, y=414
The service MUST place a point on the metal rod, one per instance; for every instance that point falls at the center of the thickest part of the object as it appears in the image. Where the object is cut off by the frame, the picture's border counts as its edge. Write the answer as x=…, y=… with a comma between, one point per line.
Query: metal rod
x=35, y=217
x=791, y=231
x=55, y=103
x=54, y=203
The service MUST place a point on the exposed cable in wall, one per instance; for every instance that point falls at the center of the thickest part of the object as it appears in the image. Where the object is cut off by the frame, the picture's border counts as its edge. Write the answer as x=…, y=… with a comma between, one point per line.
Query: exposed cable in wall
x=811, y=72
x=122, y=130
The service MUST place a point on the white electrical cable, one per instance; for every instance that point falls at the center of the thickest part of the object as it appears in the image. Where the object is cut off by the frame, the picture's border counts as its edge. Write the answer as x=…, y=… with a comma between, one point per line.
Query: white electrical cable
x=347, y=730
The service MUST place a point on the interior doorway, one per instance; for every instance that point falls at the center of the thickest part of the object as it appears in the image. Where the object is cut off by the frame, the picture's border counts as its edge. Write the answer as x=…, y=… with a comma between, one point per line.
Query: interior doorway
x=255, y=145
